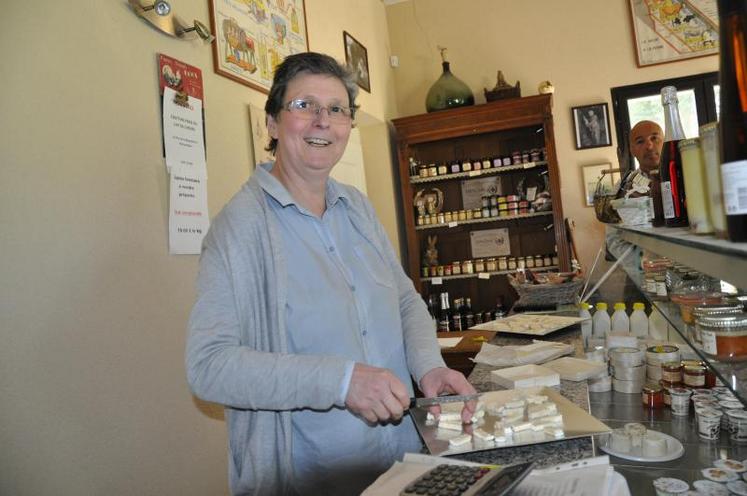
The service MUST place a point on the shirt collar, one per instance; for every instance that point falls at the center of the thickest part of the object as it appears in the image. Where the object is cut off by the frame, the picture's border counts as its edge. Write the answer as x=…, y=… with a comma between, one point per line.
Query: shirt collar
x=275, y=188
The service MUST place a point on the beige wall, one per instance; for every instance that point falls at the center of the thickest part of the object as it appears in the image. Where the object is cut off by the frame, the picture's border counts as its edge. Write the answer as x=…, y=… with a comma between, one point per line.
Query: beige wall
x=93, y=398
x=584, y=47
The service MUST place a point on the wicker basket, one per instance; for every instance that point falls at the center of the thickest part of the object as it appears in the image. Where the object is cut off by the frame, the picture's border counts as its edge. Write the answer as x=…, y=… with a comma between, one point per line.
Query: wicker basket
x=544, y=294
x=604, y=211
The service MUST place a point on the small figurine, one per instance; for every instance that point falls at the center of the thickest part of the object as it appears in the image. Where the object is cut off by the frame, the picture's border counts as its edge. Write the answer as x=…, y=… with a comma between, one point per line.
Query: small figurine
x=431, y=252
x=546, y=88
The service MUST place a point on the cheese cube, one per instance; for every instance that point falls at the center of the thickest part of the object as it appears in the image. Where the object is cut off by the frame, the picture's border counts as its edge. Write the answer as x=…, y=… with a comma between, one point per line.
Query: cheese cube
x=460, y=440
x=482, y=435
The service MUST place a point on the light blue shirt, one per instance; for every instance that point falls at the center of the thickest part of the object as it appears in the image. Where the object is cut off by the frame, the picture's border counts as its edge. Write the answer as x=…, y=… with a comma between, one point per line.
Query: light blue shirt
x=341, y=302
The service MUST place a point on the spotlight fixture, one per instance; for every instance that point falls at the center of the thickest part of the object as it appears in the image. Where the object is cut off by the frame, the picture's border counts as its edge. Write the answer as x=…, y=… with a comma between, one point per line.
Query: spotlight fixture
x=160, y=16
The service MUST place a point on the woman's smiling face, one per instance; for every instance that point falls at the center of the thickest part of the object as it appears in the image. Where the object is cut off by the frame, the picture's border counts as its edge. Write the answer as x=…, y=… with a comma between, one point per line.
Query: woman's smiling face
x=311, y=144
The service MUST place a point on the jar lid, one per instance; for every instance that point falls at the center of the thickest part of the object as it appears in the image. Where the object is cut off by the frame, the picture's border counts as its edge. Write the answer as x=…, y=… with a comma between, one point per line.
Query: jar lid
x=662, y=348
x=718, y=309
x=671, y=365
x=709, y=128
x=692, y=362
x=651, y=388
x=688, y=143
x=723, y=321
x=695, y=368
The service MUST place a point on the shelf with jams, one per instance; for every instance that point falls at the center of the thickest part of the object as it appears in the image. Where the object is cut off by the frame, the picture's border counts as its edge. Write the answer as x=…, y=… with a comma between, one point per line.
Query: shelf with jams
x=476, y=173
x=483, y=219
x=482, y=275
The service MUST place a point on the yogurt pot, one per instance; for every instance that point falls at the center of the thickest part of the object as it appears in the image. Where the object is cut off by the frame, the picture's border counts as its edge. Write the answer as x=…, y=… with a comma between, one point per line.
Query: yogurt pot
x=680, y=398
x=667, y=486
x=737, y=425
x=709, y=424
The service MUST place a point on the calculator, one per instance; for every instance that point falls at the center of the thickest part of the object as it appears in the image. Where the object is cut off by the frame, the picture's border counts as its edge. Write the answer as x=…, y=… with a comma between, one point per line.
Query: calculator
x=459, y=480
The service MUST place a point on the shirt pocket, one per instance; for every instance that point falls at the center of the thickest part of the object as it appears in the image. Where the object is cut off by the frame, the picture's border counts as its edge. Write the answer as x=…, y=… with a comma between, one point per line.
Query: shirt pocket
x=374, y=265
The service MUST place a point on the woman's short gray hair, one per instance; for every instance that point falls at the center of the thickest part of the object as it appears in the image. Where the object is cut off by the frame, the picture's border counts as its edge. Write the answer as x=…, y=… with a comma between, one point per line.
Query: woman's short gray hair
x=305, y=63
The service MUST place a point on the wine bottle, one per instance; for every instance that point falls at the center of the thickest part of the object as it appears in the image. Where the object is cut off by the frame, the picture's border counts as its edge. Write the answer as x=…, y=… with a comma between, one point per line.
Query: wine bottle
x=456, y=316
x=433, y=309
x=733, y=116
x=670, y=169
x=467, y=314
x=655, y=189
x=444, y=318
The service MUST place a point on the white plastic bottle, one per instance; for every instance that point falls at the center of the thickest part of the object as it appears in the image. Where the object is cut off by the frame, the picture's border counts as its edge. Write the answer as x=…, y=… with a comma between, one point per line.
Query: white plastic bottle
x=620, y=321
x=639, y=321
x=601, y=321
x=586, y=324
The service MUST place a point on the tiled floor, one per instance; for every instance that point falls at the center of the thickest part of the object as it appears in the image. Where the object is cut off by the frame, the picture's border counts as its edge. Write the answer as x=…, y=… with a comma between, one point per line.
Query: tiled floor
x=616, y=409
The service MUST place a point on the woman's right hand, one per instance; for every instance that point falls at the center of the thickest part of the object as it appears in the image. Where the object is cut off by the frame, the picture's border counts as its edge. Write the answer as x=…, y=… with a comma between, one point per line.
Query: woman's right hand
x=376, y=394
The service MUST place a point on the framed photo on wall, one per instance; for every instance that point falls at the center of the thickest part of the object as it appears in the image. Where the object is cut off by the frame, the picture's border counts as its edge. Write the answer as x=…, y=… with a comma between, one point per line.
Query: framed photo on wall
x=671, y=31
x=356, y=56
x=592, y=175
x=253, y=37
x=592, y=126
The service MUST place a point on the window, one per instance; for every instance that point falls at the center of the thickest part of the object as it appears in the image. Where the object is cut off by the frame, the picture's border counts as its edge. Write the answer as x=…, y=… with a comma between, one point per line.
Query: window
x=698, y=103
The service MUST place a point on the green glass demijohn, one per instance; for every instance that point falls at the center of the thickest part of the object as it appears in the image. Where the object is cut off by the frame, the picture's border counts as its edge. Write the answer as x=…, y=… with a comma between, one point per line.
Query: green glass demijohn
x=448, y=91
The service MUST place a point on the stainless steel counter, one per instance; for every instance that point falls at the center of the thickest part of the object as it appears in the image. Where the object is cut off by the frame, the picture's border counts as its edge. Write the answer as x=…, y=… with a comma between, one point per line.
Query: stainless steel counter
x=614, y=409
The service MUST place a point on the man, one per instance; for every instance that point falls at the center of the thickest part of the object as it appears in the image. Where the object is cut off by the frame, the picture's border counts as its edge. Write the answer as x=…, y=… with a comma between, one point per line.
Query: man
x=646, y=141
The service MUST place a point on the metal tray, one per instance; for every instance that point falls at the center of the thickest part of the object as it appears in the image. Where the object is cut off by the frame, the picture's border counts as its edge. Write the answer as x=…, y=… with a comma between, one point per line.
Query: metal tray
x=576, y=422
x=529, y=324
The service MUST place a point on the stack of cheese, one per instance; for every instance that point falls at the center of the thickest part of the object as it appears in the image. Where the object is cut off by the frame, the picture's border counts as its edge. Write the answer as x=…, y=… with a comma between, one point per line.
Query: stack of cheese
x=655, y=356
x=627, y=369
x=636, y=439
x=519, y=421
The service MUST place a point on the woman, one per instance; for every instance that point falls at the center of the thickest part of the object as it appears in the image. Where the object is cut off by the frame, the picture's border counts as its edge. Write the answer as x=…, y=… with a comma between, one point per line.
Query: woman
x=305, y=326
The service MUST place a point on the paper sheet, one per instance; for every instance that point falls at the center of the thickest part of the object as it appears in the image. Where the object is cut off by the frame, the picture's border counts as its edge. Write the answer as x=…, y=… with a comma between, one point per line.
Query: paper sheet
x=188, y=213
x=448, y=342
x=182, y=135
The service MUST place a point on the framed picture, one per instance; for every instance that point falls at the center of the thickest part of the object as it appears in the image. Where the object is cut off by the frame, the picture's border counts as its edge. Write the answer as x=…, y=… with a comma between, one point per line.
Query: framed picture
x=673, y=30
x=592, y=126
x=591, y=176
x=260, y=135
x=356, y=56
x=253, y=37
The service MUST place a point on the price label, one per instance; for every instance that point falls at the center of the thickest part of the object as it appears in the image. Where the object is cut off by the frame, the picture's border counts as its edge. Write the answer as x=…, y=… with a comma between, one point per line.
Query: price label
x=475, y=173
x=453, y=224
x=437, y=281
x=483, y=275
x=529, y=165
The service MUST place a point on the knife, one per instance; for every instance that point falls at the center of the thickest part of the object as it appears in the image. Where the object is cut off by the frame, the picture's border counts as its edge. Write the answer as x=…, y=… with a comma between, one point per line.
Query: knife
x=438, y=400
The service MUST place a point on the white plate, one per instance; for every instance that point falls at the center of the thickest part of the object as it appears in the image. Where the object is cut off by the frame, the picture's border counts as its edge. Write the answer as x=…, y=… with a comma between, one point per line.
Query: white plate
x=674, y=450
x=576, y=369
x=529, y=324
x=737, y=487
x=719, y=474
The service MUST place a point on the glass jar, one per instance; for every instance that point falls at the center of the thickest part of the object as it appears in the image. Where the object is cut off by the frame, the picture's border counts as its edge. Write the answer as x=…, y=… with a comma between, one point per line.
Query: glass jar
x=432, y=170
x=530, y=262
x=548, y=260
x=694, y=376
x=439, y=270
x=709, y=137
x=695, y=186
x=477, y=213
x=467, y=267
x=511, y=263
x=652, y=396
x=442, y=169
x=724, y=336
x=440, y=218
x=479, y=265
x=486, y=163
x=468, y=214
x=502, y=263
x=521, y=263
x=491, y=265
x=456, y=268
x=477, y=165
x=671, y=372
x=555, y=260
x=432, y=269
x=423, y=170
x=447, y=269
x=455, y=167
x=466, y=166
x=539, y=261
x=448, y=217
x=421, y=220
x=461, y=215
x=425, y=271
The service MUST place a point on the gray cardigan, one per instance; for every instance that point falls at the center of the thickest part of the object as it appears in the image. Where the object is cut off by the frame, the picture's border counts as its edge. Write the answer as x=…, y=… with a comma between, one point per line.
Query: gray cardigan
x=237, y=349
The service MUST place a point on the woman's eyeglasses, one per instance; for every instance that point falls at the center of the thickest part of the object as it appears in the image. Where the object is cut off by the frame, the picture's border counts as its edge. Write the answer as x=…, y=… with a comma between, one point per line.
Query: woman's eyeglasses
x=310, y=109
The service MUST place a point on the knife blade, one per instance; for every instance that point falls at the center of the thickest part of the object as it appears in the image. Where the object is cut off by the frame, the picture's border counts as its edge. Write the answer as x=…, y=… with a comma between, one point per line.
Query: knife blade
x=438, y=400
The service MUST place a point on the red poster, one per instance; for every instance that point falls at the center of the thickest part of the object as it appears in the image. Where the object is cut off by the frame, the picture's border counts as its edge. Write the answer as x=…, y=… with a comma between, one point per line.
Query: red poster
x=179, y=76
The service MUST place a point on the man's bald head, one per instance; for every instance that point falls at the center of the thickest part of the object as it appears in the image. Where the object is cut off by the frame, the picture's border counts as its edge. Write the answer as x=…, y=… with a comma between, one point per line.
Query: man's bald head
x=646, y=141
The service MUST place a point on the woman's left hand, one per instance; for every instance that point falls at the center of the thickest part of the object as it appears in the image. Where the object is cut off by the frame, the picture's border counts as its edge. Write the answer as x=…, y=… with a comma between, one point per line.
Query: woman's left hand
x=443, y=380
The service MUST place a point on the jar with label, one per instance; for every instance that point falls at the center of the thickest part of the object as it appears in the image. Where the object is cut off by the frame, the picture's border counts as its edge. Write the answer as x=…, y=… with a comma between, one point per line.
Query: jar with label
x=491, y=265
x=694, y=375
x=440, y=219
x=455, y=167
x=423, y=170
x=502, y=263
x=479, y=265
x=516, y=158
x=468, y=213
x=671, y=372
x=521, y=263
x=477, y=165
x=456, y=268
x=555, y=260
x=548, y=261
x=539, y=261
x=439, y=270
x=530, y=262
x=461, y=215
x=466, y=166
x=535, y=155
x=432, y=170
x=477, y=213
x=433, y=271
x=486, y=163
x=507, y=161
x=421, y=220
x=447, y=269
x=467, y=267
x=525, y=157
x=511, y=263
x=724, y=336
x=427, y=220
x=448, y=217
x=497, y=162
x=425, y=271
x=652, y=396
x=442, y=169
